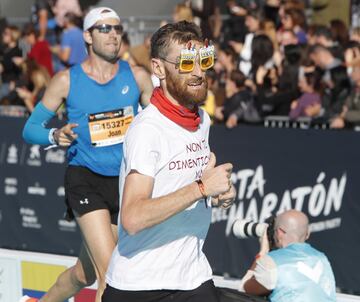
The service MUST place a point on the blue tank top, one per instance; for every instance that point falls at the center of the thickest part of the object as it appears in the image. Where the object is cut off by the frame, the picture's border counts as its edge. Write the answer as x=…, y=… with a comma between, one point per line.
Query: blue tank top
x=304, y=274
x=103, y=112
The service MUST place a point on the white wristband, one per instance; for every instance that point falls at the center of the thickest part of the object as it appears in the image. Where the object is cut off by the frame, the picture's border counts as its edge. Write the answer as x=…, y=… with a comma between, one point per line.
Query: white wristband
x=51, y=136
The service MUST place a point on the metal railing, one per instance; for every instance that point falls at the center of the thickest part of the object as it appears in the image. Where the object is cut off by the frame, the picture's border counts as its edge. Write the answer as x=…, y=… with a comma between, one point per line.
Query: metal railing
x=13, y=111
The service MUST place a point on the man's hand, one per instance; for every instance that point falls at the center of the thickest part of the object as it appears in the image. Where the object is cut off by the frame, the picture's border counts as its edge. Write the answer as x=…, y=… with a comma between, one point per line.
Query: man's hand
x=217, y=180
x=55, y=49
x=18, y=60
x=232, y=121
x=65, y=135
x=313, y=110
x=23, y=93
x=337, y=123
x=219, y=113
x=294, y=104
x=264, y=243
x=237, y=46
x=260, y=75
x=226, y=200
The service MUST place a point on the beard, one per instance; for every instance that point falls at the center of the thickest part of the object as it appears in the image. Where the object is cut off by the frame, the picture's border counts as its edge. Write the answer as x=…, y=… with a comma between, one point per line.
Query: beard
x=109, y=56
x=178, y=88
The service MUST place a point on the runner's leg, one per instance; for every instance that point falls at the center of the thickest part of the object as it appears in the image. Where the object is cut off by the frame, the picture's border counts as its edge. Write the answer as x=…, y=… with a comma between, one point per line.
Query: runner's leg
x=100, y=237
x=72, y=280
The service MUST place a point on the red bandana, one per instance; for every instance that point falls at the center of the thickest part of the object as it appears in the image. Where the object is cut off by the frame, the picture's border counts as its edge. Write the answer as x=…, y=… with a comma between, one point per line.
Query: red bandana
x=186, y=118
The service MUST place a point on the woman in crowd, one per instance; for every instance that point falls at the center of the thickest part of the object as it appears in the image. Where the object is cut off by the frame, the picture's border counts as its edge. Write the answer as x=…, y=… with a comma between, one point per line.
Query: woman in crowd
x=9, y=71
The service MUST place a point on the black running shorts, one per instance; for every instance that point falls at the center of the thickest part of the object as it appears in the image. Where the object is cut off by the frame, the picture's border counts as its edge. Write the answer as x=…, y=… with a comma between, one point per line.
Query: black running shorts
x=86, y=191
x=206, y=292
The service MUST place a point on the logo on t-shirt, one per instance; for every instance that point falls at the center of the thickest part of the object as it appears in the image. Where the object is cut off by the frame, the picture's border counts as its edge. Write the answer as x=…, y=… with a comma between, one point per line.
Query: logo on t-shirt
x=85, y=201
x=313, y=273
x=125, y=89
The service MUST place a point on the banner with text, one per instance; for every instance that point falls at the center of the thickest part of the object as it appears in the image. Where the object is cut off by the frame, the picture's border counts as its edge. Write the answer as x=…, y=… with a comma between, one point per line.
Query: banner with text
x=314, y=171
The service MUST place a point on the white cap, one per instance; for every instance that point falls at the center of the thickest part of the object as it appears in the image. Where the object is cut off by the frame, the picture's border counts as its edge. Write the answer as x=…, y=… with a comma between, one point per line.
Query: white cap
x=98, y=14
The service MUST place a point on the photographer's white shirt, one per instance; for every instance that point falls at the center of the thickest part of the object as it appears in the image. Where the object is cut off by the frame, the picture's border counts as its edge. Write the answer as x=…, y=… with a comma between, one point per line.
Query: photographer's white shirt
x=265, y=273
x=168, y=255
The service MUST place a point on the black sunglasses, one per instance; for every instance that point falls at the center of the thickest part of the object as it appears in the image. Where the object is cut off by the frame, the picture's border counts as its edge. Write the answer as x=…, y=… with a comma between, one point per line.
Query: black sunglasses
x=106, y=28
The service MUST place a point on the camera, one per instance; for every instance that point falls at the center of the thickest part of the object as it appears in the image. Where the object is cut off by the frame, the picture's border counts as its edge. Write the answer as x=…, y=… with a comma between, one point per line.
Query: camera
x=244, y=229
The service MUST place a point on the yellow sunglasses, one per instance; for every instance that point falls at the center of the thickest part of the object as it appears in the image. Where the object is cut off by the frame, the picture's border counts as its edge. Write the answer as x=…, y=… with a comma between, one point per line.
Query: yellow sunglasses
x=186, y=61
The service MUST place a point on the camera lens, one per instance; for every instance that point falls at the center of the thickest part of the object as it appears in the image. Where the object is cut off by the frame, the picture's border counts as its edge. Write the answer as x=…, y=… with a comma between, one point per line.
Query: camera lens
x=245, y=229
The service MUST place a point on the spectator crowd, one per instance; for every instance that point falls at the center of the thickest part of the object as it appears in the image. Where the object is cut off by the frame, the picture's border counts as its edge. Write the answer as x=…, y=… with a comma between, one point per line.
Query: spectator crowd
x=288, y=58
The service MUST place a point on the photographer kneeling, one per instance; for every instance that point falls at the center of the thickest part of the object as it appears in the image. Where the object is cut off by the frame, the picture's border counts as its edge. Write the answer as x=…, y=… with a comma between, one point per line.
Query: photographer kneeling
x=295, y=271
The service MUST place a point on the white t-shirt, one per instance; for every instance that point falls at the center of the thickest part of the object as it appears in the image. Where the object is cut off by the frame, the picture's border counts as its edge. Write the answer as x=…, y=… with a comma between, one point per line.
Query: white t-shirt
x=265, y=273
x=168, y=255
x=245, y=63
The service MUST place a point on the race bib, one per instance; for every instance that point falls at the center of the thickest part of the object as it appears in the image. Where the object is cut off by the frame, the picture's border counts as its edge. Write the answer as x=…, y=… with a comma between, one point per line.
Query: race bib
x=109, y=128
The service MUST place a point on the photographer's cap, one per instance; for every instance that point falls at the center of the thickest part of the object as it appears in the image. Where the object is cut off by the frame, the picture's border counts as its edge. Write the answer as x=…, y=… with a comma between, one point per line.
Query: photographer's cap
x=98, y=14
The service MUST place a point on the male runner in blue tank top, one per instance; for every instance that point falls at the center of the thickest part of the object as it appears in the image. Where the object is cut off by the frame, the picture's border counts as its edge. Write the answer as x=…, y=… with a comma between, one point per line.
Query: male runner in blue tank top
x=102, y=96
x=295, y=271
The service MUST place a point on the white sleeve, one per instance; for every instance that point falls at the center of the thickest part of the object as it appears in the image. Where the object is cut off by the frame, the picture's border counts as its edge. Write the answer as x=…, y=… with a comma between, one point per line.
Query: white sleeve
x=265, y=272
x=142, y=149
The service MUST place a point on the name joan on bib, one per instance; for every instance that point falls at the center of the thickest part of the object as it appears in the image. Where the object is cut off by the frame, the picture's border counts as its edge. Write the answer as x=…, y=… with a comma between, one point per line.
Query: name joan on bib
x=109, y=128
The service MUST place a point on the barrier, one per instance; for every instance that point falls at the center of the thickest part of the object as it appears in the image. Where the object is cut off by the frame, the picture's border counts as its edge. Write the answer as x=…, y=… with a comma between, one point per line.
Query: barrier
x=29, y=273
x=274, y=169
x=32, y=274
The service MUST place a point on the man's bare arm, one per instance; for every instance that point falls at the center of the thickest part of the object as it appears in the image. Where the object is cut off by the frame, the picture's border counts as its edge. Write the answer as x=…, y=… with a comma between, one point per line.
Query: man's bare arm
x=43, y=20
x=143, y=80
x=57, y=90
x=139, y=211
x=62, y=52
x=253, y=287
